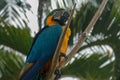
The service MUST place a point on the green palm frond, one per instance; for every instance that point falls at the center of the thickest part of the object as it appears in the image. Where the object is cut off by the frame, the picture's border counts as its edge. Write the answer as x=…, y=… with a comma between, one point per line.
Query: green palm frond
x=11, y=11
x=10, y=64
x=90, y=67
x=2, y=4
x=18, y=39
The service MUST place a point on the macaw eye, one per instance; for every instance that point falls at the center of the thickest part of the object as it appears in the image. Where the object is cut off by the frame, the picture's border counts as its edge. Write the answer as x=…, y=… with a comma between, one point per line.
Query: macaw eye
x=57, y=15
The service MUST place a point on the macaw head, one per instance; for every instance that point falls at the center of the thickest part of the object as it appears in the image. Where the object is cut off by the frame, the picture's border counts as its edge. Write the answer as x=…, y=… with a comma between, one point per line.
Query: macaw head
x=57, y=16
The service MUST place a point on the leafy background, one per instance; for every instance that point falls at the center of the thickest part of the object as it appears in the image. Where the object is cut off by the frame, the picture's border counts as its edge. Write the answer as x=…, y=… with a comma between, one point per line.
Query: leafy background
x=97, y=59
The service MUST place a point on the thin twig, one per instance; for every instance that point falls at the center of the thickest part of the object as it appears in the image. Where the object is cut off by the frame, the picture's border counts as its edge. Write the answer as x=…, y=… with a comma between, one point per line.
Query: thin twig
x=87, y=31
x=57, y=52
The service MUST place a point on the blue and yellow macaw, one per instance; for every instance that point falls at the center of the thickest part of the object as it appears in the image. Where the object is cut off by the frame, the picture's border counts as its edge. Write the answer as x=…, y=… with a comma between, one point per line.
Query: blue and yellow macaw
x=40, y=55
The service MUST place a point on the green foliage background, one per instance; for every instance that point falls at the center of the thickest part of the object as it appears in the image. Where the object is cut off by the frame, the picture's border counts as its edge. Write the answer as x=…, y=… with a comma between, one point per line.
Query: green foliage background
x=16, y=39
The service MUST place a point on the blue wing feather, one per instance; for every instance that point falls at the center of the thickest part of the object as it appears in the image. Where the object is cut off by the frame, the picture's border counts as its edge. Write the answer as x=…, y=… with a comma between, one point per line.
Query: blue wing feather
x=42, y=50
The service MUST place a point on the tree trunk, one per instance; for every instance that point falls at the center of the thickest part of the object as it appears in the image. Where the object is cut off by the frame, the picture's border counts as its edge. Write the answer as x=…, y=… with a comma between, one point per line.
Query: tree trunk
x=40, y=13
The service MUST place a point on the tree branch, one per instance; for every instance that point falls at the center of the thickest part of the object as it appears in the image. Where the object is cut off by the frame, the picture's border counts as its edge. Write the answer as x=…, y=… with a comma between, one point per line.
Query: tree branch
x=87, y=30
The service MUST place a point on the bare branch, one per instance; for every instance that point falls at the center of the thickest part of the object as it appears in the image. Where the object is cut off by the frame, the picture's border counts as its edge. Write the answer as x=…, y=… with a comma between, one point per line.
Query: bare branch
x=87, y=31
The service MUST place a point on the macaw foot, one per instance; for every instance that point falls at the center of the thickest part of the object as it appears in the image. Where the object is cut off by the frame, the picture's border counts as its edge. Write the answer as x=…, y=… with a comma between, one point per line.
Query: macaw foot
x=57, y=74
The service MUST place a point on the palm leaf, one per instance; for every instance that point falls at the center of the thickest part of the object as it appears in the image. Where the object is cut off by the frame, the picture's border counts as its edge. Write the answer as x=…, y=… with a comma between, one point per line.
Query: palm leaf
x=89, y=67
x=2, y=4
x=18, y=39
x=10, y=64
x=11, y=11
